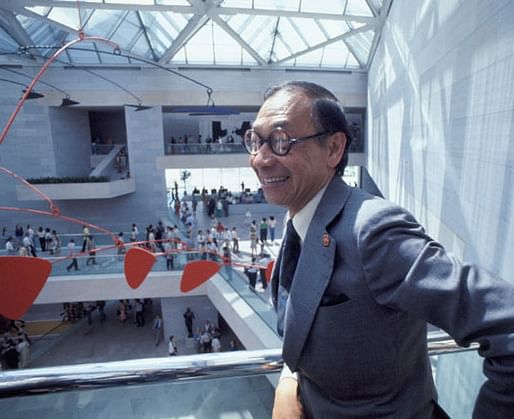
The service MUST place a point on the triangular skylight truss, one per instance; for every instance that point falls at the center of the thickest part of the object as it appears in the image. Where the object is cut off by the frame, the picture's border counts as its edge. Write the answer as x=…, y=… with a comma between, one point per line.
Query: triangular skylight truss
x=313, y=34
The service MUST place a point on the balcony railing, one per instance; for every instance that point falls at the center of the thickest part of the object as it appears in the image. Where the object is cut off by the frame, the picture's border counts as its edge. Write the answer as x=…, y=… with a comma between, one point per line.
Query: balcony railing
x=213, y=148
x=72, y=191
x=152, y=370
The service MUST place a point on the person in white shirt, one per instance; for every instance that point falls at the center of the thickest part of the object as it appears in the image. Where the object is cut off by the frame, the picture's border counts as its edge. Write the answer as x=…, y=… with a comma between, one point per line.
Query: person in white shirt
x=120, y=244
x=41, y=237
x=216, y=344
x=157, y=326
x=9, y=247
x=235, y=240
x=71, y=253
x=28, y=244
x=85, y=234
x=172, y=346
x=272, y=225
x=133, y=233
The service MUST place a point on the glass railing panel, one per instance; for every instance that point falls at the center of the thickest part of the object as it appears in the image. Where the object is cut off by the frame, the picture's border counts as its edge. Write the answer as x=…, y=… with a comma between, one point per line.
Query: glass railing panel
x=103, y=149
x=224, y=385
x=230, y=398
x=259, y=303
x=458, y=378
x=228, y=148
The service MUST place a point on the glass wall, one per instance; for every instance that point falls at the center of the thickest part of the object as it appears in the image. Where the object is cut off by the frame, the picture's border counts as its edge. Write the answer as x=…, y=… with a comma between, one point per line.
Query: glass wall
x=232, y=179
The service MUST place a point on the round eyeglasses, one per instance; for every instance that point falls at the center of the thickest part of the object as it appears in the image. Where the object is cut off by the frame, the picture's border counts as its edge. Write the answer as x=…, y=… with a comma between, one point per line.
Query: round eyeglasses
x=279, y=141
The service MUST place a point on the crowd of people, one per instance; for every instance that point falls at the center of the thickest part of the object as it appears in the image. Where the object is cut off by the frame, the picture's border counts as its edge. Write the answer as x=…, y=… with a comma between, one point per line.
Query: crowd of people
x=217, y=242
x=25, y=242
x=176, y=144
x=15, y=346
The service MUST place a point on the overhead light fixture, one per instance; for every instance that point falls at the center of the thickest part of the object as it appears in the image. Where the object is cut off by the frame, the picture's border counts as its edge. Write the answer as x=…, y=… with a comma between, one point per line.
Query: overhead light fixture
x=138, y=107
x=142, y=108
x=33, y=94
x=67, y=101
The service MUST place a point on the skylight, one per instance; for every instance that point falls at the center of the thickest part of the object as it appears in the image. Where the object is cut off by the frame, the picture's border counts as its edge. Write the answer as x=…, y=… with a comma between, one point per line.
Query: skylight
x=293, y=33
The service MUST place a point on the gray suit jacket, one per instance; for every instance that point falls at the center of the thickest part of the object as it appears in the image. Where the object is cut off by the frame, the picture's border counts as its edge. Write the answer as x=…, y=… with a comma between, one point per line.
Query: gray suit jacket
x=367, y=281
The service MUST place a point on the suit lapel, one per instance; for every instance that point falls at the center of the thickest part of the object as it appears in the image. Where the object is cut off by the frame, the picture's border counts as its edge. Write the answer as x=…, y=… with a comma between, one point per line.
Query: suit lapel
x=313, y=272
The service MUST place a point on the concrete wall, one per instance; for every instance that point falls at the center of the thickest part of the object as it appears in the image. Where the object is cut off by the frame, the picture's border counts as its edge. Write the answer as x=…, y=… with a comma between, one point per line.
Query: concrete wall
x=441, y=142
x=69, y=130
x=27, y=149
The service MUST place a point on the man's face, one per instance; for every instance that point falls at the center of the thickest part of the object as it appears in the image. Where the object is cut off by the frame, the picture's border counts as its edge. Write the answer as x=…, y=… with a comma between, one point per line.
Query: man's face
x=292, y=180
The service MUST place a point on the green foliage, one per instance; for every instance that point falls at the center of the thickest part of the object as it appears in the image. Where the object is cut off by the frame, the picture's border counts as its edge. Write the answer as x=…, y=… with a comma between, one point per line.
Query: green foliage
x=185, y=175
x=68, y=179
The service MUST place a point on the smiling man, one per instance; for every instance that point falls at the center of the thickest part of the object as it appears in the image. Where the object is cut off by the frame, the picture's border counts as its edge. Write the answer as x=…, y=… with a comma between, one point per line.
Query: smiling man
x=357, y=278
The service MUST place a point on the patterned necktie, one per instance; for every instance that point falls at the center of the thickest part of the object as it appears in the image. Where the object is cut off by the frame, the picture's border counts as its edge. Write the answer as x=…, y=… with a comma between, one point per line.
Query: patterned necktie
x=288, y=259
x=290, y=256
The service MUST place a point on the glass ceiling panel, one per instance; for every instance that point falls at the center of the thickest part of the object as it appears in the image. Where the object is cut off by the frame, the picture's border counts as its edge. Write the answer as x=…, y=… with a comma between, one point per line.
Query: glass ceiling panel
x=103, y=22
x=41, y=33
x=280, y=50
x=226, y=49
x=312, y=58
x=68, y=17
x=142, y=48
x=159, y=28
x=352, y=62
x=335, y=55
x=334, y=27
x=289, y=34
x=40, y=10
x=259, y=34
x=238, y=22
x=178, y=19
x=358, y=8
x=361, y=44
x=156, y=39
x=7, y=44
x=377, y=4
x=211, y=44
x=362, y=41
x=356, y=25
x=180, y=57
x=199, y=49
x=247, y=58
x=310, y=30
x=323, y=6
x=277, y=4
x=126, y=32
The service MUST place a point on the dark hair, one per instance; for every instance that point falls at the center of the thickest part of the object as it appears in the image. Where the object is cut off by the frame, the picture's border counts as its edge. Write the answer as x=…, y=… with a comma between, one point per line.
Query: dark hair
x=327, y=111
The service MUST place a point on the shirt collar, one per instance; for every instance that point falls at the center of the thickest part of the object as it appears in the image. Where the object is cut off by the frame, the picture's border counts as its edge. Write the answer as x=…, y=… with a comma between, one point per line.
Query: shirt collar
x=302, y=220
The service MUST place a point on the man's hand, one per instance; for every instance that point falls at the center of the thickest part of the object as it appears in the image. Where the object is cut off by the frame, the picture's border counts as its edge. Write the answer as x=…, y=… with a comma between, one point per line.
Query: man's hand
x=287, y=405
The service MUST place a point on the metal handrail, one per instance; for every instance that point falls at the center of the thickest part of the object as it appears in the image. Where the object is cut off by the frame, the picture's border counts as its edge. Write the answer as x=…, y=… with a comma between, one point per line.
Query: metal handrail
x=38, y=381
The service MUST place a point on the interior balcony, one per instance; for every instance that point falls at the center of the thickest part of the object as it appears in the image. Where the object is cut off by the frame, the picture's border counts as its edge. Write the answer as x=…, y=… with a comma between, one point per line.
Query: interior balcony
x=71, y=191
x=106, y=164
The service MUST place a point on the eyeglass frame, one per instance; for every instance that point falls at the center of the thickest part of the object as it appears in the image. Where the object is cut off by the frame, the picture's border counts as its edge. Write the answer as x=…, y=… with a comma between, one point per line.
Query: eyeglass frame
x=290, y=141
